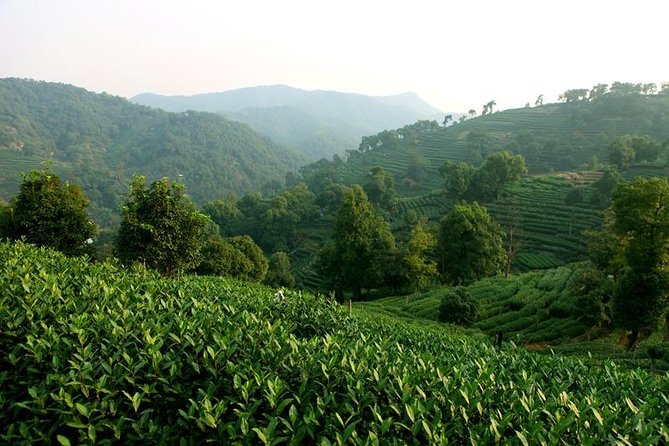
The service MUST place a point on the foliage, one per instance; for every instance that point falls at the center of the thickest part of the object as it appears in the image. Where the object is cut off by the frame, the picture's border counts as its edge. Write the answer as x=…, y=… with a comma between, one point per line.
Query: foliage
x=592, y=291
x=379, y=188
x=470, y=244
x=99, y=141
x=225, y=213
x=278, y=272
x=421, y=271
x=361, y=239
x=458, y=178
x=221, y=258
x=458, y=307
x=500, y=170
x=93, y=353
x=47, y=212
x=640, y=221
x=257, y=262
x=621, y=153
x=160, y=228
x=603, y=188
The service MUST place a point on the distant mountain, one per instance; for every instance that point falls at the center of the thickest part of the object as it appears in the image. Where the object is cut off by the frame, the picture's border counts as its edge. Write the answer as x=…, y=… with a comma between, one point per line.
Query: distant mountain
x=99, y=141
x=316, y=123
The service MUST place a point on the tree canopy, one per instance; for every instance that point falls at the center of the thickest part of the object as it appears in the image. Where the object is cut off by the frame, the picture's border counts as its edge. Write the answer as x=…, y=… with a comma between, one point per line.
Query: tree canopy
x=160, y=227
x=636, y=241
x=470, y=244
x=48, y=212
x=361, y=240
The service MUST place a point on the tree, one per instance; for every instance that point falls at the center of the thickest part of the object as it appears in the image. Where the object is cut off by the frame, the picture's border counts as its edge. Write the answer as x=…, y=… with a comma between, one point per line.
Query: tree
x=47, y=212
x=447, y=119
x=471, y=112
x=479, y=142
x=458, y=177
x=621, y=153
x=500, y=170
x=639, y=225
x=598, y=91
x=354, y=258
x=236, y=257
x=420, y=271
x=604, y=187
x=592, y=291
x=220, y=258
x=574, y=95
x=278, y=273
x=540, y=101
x=160, y=227
x=379, y=187
x=225, y=213
x=459, y=307
x=470, y=244
x=645, y=148
x=487, y=107
x=257, y=260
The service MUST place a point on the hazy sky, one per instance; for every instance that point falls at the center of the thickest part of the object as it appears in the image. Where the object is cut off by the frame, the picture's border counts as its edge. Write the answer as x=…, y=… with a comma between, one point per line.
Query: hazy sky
x=456, y=55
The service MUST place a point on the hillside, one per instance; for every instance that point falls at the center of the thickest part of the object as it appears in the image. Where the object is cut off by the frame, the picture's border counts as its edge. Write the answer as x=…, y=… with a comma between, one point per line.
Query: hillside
x=99, y=141
x=552, y=137
x=93, y=353
x=317, y=123
x=542, y=310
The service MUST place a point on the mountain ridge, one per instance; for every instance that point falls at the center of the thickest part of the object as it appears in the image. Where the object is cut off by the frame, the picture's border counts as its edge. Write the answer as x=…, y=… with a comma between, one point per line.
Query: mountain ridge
x=305, y=120
x=99, y=141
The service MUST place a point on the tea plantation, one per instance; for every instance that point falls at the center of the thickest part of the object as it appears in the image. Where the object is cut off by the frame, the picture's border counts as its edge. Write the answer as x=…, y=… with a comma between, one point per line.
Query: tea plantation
x=91, y=353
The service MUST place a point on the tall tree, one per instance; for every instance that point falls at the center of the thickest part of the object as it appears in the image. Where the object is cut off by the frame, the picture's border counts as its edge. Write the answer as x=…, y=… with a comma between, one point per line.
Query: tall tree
x=361, y=240
x=470, y=244
x=48, y=212
x=640, y=211
x=421, y=272
x=160, y=227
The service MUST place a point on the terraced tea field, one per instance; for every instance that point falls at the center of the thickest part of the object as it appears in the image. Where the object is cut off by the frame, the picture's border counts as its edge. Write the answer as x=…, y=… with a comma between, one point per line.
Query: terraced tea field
x=12, y=164
x=550, y=231
x=531, y=307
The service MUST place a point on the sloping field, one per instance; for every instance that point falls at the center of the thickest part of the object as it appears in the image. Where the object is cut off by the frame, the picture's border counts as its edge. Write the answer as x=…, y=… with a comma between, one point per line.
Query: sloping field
x=96, y=354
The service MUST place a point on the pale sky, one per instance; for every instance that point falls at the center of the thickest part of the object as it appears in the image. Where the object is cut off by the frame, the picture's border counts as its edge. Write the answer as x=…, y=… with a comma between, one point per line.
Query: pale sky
x=456, y=55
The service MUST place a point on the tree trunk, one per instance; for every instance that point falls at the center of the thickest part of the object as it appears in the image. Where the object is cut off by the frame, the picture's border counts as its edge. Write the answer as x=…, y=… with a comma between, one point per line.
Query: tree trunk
x=632, y=340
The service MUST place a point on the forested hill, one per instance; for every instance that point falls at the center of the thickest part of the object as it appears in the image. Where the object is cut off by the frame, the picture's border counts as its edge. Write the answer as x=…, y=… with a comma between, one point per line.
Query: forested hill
x=551, y=137
x=317, y=123
x=99, y=141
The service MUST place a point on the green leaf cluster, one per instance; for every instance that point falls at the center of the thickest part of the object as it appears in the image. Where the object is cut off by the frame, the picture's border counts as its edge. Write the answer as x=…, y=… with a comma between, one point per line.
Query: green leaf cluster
x=470, y=244
x=160, y=228
x=48, y=212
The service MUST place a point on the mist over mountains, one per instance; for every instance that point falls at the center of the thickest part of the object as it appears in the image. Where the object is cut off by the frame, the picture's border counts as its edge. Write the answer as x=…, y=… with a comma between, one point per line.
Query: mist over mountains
x=316, y=123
